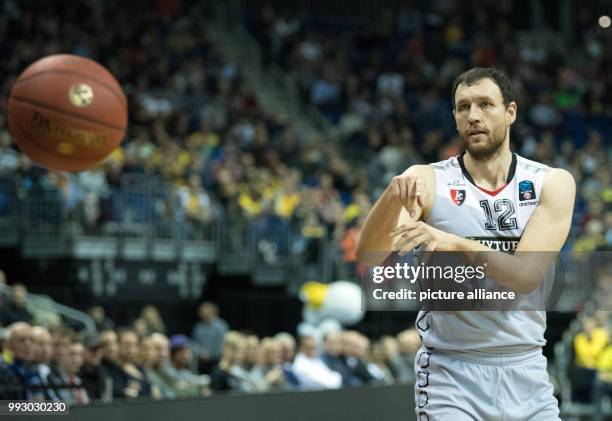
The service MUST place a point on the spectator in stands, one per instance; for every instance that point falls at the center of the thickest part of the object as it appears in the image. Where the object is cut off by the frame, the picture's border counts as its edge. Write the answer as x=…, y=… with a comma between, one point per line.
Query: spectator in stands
x=137, y=383
x=409, y=344
x=270, y=367
x=310, y=369
x=378, y=364
x=242, y=379
x=364, y=355
x=589, y=343
x=15, y=310
x=208, y=334
x=102, y=322
x=588, y=346
x=19, y=353
x=252, y=356
x=62, y=337
x=603, y=380
x=11, y=387
x=151, y=358
x=91, y=373
x=287, y=345
x=162, y=345
x=400, y=368
x=44, y=346
x=309, y=241
x=354, y=350
x=332, y=357
x=164, y=367
x=112, y=373
x=151, y=321
x=195, y=202
x=72, y=390
x=184, y=381
x=140, y=327
x=221, y=376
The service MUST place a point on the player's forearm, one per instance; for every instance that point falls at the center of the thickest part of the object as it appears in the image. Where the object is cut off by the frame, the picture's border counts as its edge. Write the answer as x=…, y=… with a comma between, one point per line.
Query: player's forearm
x=374, y=243
x=522, y=272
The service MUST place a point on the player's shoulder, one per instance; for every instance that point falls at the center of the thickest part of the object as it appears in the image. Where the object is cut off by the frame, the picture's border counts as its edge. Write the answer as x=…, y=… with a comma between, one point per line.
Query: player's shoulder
x=558, y=186
x=559, y=178
x=421, y=170
x=525, y=164
x=452, y=162
x=553, y=175
x=428, y=170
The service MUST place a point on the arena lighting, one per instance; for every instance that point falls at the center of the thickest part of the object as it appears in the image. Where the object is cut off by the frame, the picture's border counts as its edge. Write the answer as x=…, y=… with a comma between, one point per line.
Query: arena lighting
x=604, y=21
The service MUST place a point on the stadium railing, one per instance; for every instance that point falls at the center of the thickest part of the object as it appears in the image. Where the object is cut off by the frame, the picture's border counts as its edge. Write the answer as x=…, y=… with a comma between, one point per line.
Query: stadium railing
x=9, y=232
x=45, y=311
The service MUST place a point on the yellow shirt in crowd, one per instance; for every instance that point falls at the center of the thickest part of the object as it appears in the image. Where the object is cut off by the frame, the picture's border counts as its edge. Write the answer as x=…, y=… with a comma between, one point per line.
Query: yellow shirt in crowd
x=587, y=350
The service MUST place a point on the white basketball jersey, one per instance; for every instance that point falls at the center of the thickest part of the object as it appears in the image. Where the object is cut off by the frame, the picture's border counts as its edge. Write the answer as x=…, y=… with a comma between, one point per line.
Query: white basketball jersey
x=497, y=220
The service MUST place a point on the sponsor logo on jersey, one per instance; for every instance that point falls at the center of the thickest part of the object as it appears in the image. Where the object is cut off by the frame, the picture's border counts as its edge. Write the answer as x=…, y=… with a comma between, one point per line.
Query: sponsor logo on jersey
x=457, y=196
x=526, y=191
x=503, y=244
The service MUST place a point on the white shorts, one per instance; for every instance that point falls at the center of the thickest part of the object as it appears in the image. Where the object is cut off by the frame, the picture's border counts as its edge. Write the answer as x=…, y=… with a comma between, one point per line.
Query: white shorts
x=508, y=388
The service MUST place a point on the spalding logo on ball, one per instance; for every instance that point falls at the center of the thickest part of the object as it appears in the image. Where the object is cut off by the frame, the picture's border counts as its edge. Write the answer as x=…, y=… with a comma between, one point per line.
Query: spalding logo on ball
x=81, y=95
x=67, y=113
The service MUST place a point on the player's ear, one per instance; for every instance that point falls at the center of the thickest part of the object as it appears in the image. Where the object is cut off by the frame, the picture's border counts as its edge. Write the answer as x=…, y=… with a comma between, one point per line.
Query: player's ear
x=511, y=113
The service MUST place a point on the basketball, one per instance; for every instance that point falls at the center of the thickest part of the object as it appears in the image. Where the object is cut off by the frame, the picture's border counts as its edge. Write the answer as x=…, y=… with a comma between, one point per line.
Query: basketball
x=67, y=113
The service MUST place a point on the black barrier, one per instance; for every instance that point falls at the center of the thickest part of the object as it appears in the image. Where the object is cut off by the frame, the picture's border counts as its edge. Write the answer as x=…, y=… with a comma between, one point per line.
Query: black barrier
x=373, y=403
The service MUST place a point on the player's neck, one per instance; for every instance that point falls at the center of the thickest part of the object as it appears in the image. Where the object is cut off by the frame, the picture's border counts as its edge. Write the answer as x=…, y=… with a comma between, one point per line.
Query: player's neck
x=492, y=173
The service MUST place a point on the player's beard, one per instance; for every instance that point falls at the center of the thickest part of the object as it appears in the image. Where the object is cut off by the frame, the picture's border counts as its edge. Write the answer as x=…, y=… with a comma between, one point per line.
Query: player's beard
x=485, y=149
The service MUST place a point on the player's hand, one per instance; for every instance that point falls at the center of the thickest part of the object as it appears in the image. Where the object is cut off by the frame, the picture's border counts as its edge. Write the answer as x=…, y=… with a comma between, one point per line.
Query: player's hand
x=410, y=190
x=411, y=235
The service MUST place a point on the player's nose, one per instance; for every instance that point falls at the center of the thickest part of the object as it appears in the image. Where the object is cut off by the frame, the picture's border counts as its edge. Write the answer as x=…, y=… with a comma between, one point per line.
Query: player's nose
x=474, y=115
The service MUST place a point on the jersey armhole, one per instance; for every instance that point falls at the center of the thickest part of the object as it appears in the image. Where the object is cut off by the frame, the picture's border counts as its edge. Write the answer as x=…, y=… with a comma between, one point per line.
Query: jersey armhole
x=426, y=215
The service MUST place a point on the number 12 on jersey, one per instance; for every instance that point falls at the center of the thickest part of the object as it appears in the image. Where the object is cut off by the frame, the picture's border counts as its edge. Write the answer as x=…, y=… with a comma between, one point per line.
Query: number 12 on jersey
x=504, y=209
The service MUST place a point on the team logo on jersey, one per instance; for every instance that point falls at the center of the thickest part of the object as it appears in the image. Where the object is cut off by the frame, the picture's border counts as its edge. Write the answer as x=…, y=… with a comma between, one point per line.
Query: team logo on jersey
x=457, y=196
x=526, y=190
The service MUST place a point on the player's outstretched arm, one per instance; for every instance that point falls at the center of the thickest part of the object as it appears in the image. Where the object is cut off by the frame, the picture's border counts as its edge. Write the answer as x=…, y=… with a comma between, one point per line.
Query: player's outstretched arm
x=542, y=239
x=407, y=198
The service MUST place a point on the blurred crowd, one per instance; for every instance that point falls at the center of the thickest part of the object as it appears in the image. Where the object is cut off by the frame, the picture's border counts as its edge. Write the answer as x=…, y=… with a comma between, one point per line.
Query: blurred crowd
x=199, y=145
x=197, y=138
x=199, y=142
x=592, y=366
x=385, y=86
x=57, y=362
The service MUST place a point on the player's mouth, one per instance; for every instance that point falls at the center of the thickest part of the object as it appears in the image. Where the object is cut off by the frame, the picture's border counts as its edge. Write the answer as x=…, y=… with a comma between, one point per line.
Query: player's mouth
x=474, y=133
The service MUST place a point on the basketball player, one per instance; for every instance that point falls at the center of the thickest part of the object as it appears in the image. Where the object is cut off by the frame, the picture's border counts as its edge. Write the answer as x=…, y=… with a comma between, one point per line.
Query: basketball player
x=479, y=365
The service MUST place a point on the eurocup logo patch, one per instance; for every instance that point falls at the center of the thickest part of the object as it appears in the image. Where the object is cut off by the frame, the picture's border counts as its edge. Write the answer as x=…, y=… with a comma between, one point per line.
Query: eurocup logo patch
x=526, y=190
x=457, y=196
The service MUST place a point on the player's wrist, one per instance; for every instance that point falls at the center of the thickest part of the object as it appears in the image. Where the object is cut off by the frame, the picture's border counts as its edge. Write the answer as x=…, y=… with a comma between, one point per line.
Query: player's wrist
x=455, y=243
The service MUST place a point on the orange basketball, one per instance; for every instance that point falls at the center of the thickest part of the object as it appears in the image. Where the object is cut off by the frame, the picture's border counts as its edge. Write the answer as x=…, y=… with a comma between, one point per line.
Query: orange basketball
x=67, y=113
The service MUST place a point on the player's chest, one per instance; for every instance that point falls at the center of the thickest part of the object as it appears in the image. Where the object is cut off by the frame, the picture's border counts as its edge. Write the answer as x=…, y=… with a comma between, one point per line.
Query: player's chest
x=467, y=210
